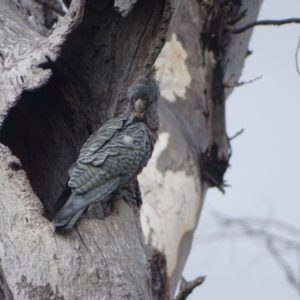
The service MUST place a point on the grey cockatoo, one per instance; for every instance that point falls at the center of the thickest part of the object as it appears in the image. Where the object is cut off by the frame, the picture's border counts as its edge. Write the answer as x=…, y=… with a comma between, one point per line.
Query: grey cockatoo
x=112, y=156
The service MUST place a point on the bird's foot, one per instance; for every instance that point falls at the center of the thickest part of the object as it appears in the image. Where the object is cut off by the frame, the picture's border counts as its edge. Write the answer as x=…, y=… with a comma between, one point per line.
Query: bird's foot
x=126, y=195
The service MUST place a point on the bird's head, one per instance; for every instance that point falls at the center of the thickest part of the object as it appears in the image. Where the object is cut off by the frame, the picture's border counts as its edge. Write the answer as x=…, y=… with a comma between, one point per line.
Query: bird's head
x=143, y=95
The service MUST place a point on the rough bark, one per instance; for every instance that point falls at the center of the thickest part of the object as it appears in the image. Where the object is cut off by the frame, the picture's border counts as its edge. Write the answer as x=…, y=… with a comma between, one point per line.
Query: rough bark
x=54, y=92
x=58, y=87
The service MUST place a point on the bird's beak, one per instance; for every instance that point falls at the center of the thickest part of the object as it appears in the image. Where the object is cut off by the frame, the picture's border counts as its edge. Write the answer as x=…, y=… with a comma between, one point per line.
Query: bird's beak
x=139, y=109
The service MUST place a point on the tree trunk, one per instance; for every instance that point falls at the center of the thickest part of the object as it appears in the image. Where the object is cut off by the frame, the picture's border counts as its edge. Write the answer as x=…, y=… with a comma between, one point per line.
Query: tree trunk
x=197, y=69
x=57, y=88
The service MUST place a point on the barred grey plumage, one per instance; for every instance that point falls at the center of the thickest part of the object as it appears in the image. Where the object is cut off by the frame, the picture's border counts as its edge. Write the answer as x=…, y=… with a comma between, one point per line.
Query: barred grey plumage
x=112, y=156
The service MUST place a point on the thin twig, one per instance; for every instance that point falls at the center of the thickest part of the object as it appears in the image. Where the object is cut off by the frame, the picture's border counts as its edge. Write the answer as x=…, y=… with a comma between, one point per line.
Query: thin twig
x=249, y=81
x=237, y=84
x=281, y=225
x=296, y=56
x=291, y=276
x=208, y=177
x=276, y=235
x=186, y=287
x=263, y=22
x=236, y=135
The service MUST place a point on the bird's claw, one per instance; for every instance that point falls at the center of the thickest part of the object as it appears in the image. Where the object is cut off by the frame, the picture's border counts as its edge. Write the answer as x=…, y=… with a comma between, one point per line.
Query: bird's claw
x=125, y=195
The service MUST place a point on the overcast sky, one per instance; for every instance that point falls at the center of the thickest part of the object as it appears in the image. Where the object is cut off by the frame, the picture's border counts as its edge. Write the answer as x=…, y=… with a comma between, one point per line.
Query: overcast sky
x=265, y=168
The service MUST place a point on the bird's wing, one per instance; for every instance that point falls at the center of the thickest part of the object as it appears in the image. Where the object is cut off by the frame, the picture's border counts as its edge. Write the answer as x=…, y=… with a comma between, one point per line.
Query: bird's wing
x=95, y=176
x=102, y=135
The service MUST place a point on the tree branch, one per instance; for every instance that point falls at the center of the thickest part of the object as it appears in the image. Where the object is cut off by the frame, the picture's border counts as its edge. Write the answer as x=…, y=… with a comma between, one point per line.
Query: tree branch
x=228, y=86
x=291, y=276
x=263, y=22
x=280, y=239
x=186, y=287
x=236, y=135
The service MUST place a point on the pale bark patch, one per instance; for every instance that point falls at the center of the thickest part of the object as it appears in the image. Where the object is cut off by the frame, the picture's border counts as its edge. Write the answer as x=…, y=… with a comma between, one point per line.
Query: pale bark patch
x=170, y=209
x=172, y=72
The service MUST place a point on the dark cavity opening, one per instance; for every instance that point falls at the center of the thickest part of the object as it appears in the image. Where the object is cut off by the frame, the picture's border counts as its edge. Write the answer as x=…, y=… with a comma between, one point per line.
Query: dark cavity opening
x=40, y=131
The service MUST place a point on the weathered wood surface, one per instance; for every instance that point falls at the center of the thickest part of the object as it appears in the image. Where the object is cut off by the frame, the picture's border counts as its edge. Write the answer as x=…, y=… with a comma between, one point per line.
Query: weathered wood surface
x=101, y=257
x=56, y=90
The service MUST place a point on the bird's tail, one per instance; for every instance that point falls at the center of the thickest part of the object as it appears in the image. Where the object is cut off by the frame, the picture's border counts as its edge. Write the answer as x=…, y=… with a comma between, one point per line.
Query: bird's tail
x=60, y=220
x=62, y=199
x=70, y=206
x=67, y=224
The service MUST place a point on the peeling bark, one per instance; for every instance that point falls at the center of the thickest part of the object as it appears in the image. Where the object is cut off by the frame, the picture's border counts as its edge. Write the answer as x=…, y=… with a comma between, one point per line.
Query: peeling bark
x=58, y=83
x=193, y=150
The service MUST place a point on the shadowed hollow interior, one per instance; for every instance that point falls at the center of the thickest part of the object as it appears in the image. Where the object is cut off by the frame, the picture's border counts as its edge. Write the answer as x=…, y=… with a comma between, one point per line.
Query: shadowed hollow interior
x=46, y=134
